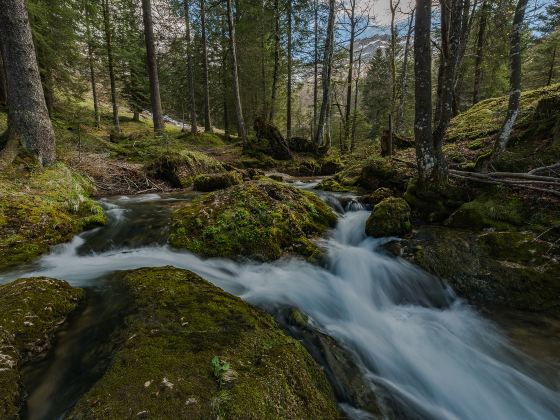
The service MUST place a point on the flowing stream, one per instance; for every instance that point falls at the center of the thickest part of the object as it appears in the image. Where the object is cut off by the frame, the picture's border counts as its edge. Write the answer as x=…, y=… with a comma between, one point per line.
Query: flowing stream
x=408, y=332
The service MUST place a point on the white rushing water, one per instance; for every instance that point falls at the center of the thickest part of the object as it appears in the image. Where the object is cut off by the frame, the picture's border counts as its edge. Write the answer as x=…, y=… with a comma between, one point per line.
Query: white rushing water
x=410, y=333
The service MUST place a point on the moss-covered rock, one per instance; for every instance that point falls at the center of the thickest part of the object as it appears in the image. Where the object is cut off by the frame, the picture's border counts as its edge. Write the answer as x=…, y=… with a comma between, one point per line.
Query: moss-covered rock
x=331, y=184
x=377, y=196
x=192, y=351
x=213, y=182
x=330, y=165
x=40, y=207
x=432, y=202
x=508, y=269
x=391, y=217
x=381, y=172
x=494, y=209
x=260, y=220
x=31, y=310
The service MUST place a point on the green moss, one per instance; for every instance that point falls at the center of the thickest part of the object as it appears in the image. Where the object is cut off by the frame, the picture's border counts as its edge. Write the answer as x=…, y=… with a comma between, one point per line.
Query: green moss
x=258, y=219
x=518, y=247
x=213, y=182
x=433, y=202
x=377, y=196
x=476, y=144
x=495, y=209
x=391, y=217
x=330, y=184
x=31, y=310
x=330, y=165
x=164, y=367
x=40, y=208
x=202, y=138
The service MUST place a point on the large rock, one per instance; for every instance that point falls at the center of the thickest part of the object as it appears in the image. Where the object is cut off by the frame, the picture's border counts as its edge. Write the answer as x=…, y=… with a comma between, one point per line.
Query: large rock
x=31, y=310
x=431, y=202
x=391, y=217
x=190, y=350
x=509, y=269
x=260, y=220
x=213, y=182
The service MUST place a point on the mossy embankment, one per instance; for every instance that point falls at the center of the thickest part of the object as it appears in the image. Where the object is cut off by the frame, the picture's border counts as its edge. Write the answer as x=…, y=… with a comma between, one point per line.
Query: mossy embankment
x=191, y=350
x=261, y=220
x=40, y=207
x=31, y=311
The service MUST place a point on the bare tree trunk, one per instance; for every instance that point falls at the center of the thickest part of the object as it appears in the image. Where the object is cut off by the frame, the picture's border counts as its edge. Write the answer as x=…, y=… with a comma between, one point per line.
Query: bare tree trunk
x=404, y=77
x=326, y=74
x=190, y=67
x=207, y=121
x=48, y=90
x=91, y=61
x=262, y=28
x=151, y=60
x=514, y=78
x=393, y=5
x=484, y=10
x=28, y=120
x=551, y=68
x=350, y=75
x=356, y=92
x=425, y=154
x=289, y=86
x=108, y=42
x=315, y=67
x=3, y=90
x=276, y=70
x=241, y=130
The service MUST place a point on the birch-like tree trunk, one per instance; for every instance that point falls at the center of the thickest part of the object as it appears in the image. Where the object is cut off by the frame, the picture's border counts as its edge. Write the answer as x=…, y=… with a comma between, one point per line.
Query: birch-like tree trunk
x=29, y=126
x=326, y=75
x=241, y=130
x=109, y=45
x=315, y=66
x=207, y=121
x=289, y=85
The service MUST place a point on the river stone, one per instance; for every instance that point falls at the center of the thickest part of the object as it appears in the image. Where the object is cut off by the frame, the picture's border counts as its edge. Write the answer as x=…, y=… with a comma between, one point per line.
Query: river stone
x=391, y=217
x=180, y=329
x=31, y=310
x=261, y=220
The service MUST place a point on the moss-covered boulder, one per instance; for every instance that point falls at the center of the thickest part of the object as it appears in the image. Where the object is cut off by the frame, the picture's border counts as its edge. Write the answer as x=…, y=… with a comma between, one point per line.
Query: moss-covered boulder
x=381, y=172
x=508, y=269
x=192, y=351
x=261, y=220
x=42, y=207
x=213, y=182
x=377, y=196
x=432, y=202
x=31, y=310
x=391, y=217
x=331, y=184
x=330, y=165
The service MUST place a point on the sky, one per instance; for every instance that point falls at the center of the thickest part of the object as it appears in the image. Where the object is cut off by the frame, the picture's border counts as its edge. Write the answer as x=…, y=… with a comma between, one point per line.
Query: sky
x=382, y=11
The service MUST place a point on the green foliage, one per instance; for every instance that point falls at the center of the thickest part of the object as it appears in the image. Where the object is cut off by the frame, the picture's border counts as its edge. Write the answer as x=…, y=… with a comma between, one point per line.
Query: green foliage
x=220, y=369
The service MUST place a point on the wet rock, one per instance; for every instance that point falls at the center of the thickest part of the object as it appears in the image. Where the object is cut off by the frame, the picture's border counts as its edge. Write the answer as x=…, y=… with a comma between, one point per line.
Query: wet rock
x=275, y=377
x=331, y=184
x=391, y=217
x=261, y=220
x=431, y=202
x=47, y=302
x=381, y=172
x=213, y=182
x=377, y=196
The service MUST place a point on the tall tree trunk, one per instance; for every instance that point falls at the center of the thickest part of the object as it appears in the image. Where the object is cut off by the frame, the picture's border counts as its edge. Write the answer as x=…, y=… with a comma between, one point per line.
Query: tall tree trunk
x=3, y=90
x=355, y=113
x=514, y=78
x=393, y=5
x=315, y=67
x=276, y=71
x=224, y=76
x=241, y=130
x=551, y=68
x=425, y=154
x=262, y=29
x=108, y=43
x=289, y=86
x=350, y=75
x=207, y=121
x=404, y=77
x=48, y=90
x=326, y=75
x=190, y=67
x=480, y=41
x=151, y=60
x=28, y=120
x=91, y=62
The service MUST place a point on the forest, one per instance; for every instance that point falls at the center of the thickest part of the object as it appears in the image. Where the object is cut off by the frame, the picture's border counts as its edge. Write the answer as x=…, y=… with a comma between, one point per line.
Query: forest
x=280, y=209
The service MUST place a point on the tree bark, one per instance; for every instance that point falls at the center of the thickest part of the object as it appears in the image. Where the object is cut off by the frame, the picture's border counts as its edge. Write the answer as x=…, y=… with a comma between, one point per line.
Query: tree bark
x=514, y=78
x=425, y=154
x=241, y=130
x=315, y=67
x=190, y=67
x=207, y=121
x=276, y=70
x=3, y=90
x=289, y=85
x=28, y=120
x=355, y=113
x=350, y=75
x=480, y=41
x=91, y=62
x=108, y=43
x=551, y=68
x=151, y=61
x=326, y=75
x=404, y=76
x=393, y=8
x=262, y=28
